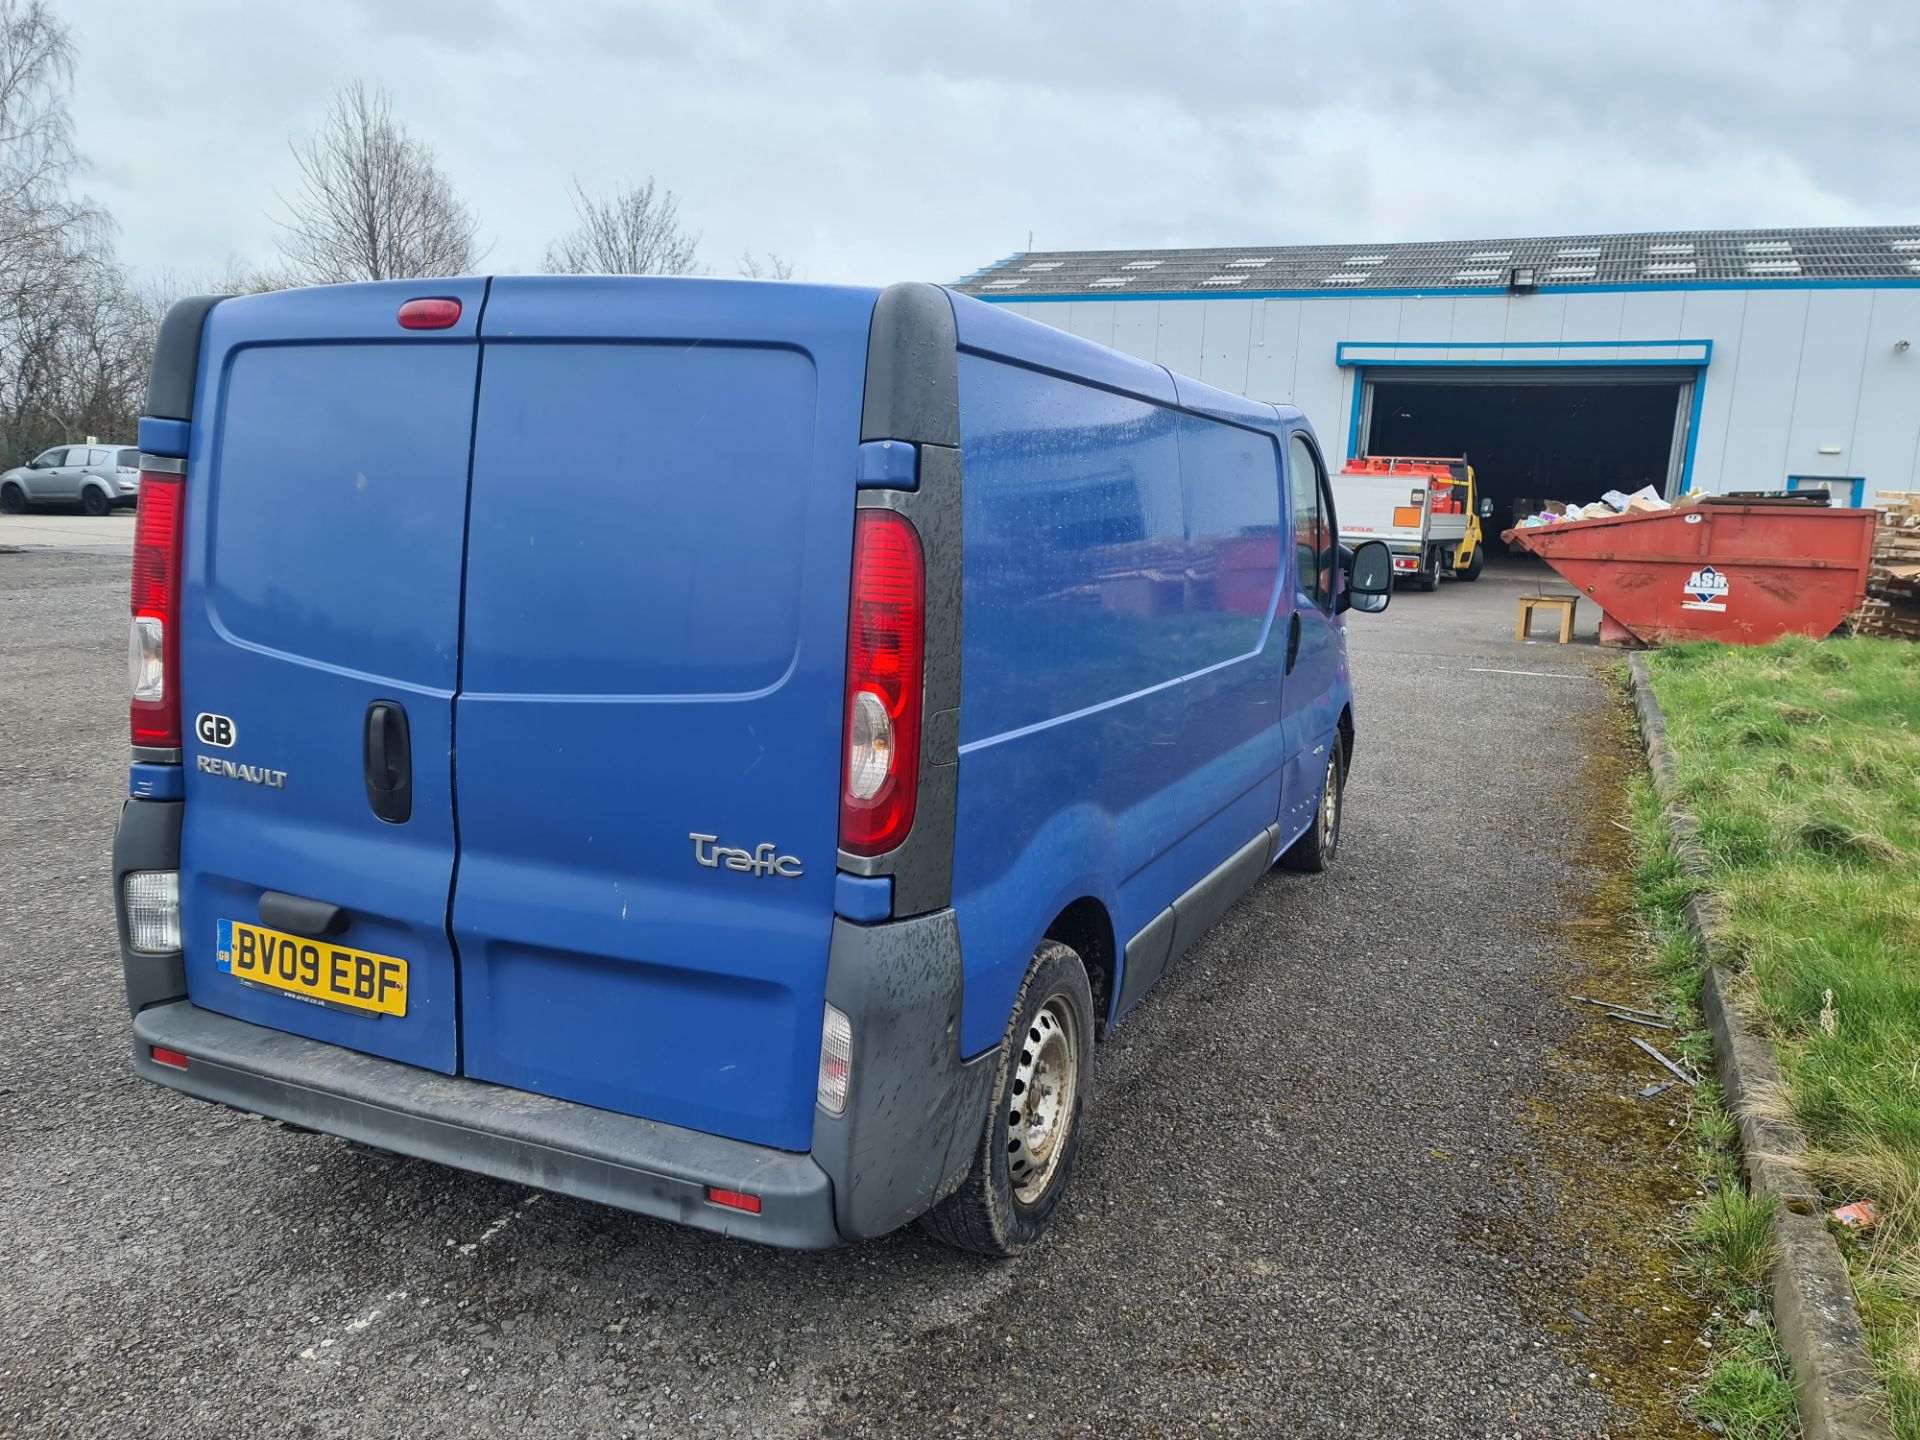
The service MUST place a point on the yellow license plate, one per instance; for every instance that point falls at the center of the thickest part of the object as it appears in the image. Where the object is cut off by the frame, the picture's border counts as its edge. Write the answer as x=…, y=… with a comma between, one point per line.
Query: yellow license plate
x=314, y=970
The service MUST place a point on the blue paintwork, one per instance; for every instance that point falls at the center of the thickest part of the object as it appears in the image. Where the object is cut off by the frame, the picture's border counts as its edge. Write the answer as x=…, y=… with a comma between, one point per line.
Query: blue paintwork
x=1014, y=297
x=887, y=465
x=1121, y=704
x=164, y=437
x=156, y=782
x=326, y=494
x=865, y=898
x=655, y=646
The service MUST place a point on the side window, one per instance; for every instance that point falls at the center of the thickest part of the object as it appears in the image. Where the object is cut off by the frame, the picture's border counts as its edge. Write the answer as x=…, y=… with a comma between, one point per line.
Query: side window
x=1312, y=523
x=99, y=457
x=51, y=459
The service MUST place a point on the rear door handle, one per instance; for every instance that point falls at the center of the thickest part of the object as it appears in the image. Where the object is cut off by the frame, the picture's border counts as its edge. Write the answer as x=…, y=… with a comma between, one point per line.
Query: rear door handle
x=1293, y=640
x=389, y=761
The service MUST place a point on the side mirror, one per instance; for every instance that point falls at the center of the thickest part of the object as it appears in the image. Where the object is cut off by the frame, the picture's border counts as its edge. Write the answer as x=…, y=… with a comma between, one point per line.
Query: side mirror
x=1486, y=506
x=1369, y=568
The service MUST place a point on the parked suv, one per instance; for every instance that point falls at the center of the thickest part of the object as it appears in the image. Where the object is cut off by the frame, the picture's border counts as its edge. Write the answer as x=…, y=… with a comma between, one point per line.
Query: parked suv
x=97, y=478
x=926, y=682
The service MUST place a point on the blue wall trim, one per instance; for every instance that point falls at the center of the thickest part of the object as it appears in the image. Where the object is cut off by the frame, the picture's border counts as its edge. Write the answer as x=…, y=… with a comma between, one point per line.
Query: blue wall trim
x=1011, y=297
x=1341, y=348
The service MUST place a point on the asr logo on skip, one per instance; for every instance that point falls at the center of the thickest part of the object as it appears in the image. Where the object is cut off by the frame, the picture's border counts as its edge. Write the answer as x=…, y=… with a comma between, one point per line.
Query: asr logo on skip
x=313, y=970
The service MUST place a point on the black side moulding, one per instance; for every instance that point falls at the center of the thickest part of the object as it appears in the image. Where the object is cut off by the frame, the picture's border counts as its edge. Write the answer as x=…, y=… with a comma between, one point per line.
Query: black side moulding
x=913, y=368
x=176, y=358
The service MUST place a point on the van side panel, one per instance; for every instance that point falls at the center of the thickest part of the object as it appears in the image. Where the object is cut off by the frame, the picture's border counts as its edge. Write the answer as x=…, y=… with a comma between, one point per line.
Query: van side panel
x=654, y=651
x=1120, y=694
x=324, y=510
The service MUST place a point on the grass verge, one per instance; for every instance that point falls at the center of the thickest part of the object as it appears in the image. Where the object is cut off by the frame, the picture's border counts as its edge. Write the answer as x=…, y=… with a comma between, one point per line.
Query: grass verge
x=1801, y=761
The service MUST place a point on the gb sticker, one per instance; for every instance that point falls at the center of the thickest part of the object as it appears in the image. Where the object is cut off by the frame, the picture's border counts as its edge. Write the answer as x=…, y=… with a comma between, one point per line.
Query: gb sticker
x=214, y=730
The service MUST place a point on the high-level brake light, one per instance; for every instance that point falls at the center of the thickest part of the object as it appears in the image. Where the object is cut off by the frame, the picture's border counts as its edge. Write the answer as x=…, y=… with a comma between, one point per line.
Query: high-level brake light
x=438, y=313
x=886, y=640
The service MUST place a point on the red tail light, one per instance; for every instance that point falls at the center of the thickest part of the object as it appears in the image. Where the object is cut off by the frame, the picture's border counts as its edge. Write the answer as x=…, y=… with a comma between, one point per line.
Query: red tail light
x=886, y=640
x=163, y=1056
x=153, y=644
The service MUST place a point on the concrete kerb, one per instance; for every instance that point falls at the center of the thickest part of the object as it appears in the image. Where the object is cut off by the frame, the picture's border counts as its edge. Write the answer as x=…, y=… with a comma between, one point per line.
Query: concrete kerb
x=1838, y=1395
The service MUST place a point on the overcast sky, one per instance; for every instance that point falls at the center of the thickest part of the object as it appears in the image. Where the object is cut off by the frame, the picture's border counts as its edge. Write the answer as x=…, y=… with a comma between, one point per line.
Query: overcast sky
x=872, y=141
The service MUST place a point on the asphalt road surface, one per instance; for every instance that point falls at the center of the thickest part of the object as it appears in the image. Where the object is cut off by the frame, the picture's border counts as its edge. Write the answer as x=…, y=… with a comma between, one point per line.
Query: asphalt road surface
x=1319, y=1196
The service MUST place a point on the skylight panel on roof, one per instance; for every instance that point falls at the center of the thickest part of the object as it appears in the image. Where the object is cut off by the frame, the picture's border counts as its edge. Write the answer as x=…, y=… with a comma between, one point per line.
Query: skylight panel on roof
x=1683, y=247
x=1043, y=265
x=1224, y=280
x=1571, y=272
x=1366, y=260
x=1672, y=267
x=1476, y=275
x=1914, y=265
x=1773, y=267
x=1140, y=264
x=1003, y=284
x=1582, y=252
x=1109, y=281
x=1769, y=247
x=1905, y=245
x=1344, y=278
x=1251, y=264
x=1490, y=255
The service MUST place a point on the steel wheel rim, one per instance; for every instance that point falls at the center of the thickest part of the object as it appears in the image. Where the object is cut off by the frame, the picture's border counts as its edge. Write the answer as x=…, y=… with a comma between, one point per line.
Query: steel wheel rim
x=1330, y=807
x=1044, y=1092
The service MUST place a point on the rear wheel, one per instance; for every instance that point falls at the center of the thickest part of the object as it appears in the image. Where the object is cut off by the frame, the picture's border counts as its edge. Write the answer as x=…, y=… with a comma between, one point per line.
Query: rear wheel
x=13, y=499
x=1471, y=570
x=1315, y=850
x=1428, y=577
x=1032, y=1135
x=95, y=501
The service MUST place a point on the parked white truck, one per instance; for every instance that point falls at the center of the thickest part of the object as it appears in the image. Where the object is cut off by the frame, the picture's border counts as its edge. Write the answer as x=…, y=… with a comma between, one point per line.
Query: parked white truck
x=1426, y=509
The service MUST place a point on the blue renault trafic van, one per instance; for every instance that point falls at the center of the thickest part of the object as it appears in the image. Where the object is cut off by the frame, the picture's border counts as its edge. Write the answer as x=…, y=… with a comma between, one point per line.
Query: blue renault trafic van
x=721, y=749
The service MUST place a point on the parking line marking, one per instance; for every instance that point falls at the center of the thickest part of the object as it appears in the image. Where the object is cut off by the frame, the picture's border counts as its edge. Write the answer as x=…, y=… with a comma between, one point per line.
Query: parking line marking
x=1537, y=674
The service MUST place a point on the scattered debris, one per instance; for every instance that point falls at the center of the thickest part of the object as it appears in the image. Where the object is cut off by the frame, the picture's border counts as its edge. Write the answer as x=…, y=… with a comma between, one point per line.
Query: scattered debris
x=1674, y=1069
x=1638, y=1020
x=1860, y=1215
x=1659, y=1087
x=1621, y=1007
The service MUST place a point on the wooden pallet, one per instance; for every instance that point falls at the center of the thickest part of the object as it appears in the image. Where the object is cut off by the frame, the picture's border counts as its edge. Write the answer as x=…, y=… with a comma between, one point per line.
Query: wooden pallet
x=1892, y=606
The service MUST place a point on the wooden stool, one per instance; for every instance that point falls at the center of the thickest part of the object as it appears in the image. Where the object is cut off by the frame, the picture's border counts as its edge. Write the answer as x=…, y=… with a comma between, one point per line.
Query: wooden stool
x=1566, y=604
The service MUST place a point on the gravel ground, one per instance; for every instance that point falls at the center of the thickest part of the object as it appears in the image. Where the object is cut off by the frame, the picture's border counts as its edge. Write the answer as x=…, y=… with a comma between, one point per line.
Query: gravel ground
x=1304, y=1148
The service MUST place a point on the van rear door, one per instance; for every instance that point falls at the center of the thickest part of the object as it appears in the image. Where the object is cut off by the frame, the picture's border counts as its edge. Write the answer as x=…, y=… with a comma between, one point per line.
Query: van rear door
x=326, y=505
x=648, y=731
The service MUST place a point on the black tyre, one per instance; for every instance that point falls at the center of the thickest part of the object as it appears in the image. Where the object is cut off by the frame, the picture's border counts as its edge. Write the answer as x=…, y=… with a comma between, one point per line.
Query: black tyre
x=1428, y=578
x=1471, y=570
x=1031, y=1139
x=13, y=500
x=1315, y=850
x=96, y=501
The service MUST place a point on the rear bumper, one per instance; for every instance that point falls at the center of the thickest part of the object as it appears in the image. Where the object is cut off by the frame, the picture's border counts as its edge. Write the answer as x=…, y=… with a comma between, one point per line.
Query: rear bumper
x=618, y=1160
x=906, y=1139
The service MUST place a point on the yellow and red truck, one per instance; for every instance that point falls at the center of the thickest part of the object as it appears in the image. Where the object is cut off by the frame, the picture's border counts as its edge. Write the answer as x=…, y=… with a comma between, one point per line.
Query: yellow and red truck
x=1426, y=508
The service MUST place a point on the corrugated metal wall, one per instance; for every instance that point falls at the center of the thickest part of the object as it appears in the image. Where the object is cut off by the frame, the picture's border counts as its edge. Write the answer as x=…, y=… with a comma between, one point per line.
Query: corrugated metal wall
x=1792, y=369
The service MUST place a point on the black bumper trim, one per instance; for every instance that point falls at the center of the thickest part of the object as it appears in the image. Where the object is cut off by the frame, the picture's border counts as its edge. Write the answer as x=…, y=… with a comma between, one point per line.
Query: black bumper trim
x=611, y=1159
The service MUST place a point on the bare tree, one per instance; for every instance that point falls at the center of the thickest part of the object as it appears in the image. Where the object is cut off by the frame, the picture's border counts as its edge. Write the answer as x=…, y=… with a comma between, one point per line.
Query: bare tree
x=373, y=202
x=771, y=266
x=64, y=358
x=634, y=231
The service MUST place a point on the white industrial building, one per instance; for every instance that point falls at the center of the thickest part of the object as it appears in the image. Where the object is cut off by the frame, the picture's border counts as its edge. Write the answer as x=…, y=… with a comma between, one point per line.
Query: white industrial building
x=1693, y=360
